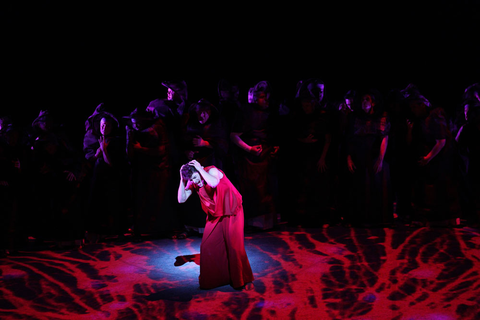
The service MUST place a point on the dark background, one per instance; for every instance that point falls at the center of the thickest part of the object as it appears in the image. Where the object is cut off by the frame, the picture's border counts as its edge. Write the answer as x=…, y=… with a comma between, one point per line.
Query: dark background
x=70, y=56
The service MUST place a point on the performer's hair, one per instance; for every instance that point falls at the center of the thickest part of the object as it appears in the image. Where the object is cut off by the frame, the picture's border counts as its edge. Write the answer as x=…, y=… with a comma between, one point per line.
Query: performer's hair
x=187, y=172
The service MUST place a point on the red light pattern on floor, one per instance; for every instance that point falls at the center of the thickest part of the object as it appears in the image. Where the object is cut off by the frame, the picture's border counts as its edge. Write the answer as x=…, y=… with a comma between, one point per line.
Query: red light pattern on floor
x=333, y=273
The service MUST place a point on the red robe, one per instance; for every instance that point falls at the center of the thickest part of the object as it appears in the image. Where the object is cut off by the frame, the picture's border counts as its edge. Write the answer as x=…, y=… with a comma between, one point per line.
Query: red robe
x=223, y=259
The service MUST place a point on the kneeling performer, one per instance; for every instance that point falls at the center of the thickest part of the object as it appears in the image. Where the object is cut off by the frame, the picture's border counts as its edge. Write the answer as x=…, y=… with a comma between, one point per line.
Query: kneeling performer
x=223, y=259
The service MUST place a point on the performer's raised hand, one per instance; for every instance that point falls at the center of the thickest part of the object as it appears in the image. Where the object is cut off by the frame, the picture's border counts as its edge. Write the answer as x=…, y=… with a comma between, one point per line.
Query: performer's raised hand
x=256, y=150
x=195, y=164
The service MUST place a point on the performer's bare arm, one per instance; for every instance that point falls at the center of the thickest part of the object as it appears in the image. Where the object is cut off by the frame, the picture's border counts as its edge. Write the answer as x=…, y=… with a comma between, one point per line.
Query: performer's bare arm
x=434, y=152
x=184, y=192
x=235, y=137
x=212, y=177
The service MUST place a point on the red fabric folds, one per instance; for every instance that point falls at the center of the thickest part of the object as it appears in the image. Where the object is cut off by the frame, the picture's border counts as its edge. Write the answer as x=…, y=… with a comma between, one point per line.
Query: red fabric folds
x=224, y=200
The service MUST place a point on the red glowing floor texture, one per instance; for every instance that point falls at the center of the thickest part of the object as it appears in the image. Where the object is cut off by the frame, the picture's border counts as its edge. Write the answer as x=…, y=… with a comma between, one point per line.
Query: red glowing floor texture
x=335, y=273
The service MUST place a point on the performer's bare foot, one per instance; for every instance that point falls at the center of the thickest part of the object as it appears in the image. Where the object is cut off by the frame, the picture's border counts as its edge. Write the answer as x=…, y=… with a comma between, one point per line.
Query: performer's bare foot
x=249, y=286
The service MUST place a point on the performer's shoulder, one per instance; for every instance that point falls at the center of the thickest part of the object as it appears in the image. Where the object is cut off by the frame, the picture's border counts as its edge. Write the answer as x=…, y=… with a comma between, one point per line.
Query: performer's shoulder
x=214, y=171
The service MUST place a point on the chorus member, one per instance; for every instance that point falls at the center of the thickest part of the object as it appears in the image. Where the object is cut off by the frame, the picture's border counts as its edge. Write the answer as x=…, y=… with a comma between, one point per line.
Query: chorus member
x=255, y=134
x=370, y=194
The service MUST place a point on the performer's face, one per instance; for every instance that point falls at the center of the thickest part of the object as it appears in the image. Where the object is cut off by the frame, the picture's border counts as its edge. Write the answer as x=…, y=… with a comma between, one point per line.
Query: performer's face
x=197, y=179
x=203, y=115
x=321, y=90
x=105, y=126
x=262, y=100
x=367, y=103
x=170, y=94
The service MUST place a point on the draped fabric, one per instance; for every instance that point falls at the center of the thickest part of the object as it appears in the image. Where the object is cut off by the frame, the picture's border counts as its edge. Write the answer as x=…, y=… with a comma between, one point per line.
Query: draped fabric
x=223, y=259
x=223, y=200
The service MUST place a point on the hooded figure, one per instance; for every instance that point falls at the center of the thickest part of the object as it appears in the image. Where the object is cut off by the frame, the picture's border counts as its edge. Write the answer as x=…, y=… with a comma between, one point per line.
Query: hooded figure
x=148, y=150
x=469, y=151
x=177, y=92
x=430, y=161
x=206, y=135
x=13, y=187
x=56, y=168
x=255, y=133
x=228, y=104
x=314, y=88
x=309, y=153
x=92, y=130
x=367, y=141
x=108, y=198
x=204, y=139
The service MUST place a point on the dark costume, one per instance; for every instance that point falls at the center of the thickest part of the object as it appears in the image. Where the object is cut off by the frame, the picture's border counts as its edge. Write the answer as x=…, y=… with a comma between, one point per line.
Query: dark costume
x=13, y=187
x=435, y=197
x=172, y=126
x=108, y=197
x=312, y=194
x=153, y=206
x=228, y=104
x=316, y=199
x=214, y=132
x=341, y=174
x=181, y=98
x=369, y=194
x=256, y=174
x=53, y=159
x=228, y=107
x=223, y=259
x=469, y=148
x=397, y=154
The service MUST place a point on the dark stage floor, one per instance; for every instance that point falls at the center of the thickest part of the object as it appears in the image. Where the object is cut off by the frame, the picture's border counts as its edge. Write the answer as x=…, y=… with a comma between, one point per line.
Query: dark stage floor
x=335, y=273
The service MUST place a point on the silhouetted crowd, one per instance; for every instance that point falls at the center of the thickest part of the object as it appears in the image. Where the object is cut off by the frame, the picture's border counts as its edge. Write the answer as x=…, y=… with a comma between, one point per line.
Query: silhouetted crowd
x=371, y=159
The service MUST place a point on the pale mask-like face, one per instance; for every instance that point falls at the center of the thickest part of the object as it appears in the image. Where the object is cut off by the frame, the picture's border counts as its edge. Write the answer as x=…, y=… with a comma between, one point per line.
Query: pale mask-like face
x=170, y=94
x=321, y=91
x=197, y=179
x=349, y=103
x=105, y=127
